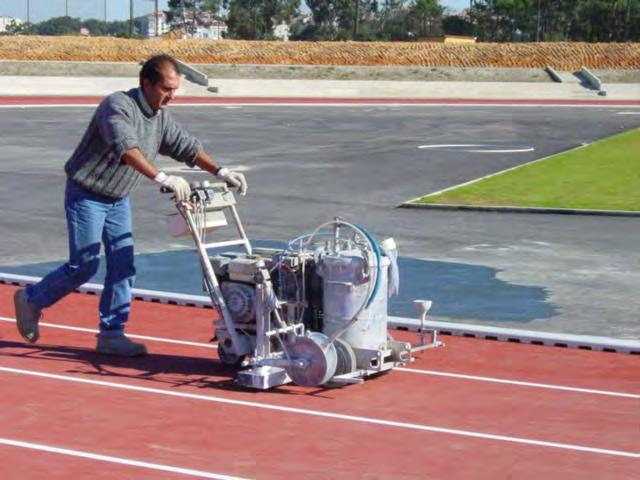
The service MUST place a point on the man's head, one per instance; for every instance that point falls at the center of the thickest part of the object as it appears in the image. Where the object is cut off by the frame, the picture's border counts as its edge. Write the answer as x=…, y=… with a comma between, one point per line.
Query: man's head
x=159, y=80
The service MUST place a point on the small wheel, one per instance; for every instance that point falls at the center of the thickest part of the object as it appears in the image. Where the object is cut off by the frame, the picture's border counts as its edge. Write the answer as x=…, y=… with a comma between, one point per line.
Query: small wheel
x=319, y=359
x=229, y=358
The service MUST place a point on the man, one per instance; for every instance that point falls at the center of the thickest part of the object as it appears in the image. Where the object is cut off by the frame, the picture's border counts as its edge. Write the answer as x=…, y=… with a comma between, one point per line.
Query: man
x=127, y=131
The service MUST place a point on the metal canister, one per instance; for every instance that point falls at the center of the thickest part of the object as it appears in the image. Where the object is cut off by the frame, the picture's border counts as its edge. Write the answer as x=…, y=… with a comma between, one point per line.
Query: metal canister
x=347, y=281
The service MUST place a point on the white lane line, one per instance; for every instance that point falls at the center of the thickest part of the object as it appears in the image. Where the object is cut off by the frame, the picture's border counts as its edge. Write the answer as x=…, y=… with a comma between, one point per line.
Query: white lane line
x=110, y=459
x=519, y=383
x=628, y=113
x=451, y=145
x=476, y=148
x=400, y=369
x=346, y=105
x=503, y=150
x=131, y=335
x=335, y=416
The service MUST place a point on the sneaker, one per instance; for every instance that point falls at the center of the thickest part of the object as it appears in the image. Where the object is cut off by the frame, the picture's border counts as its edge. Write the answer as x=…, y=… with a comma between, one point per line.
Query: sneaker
x=27, y=317
x=120, y=345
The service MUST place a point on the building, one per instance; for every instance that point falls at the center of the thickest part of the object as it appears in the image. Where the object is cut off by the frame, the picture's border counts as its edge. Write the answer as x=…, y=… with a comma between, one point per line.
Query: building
x=213, y=31
x=6, y=21
x=145, y=26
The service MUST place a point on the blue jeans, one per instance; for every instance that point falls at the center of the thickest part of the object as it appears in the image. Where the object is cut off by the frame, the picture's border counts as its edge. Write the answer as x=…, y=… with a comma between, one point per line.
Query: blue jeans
x=91, y=219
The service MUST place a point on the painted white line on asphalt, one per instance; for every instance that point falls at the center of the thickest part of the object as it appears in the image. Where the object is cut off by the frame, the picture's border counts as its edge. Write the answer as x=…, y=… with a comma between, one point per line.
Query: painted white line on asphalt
x=476, y=148
x=399, y=369
x=110, y=459
x=628, y=113
x=334, y=416
x=306, y=105
x=130, y=335
x=519, y=383
x=503, y=150
x=55, y=105
x=451, y=145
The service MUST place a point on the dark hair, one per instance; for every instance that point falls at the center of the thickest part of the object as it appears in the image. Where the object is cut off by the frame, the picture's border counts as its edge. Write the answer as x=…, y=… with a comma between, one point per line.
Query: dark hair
x=152, y=68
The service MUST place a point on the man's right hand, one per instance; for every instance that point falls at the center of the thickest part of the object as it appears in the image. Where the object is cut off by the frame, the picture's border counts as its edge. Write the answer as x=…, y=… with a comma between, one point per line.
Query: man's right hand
x=178, y=185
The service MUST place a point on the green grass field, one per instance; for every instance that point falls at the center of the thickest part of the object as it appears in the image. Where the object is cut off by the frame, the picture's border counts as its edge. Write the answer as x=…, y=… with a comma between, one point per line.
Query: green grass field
x=603, y=176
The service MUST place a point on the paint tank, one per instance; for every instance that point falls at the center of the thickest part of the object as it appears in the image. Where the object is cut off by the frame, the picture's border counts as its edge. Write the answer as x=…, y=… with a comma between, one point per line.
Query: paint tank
x=346, y=278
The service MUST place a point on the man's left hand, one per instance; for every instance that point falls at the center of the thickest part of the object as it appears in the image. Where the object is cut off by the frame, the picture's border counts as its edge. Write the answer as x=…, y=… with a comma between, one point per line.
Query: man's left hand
x=236, y=179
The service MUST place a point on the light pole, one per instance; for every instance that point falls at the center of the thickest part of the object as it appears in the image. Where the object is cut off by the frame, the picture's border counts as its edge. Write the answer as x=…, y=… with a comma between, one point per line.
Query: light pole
x=66, y=8
x=356, y=20
x=131, y=18
x=538, y=24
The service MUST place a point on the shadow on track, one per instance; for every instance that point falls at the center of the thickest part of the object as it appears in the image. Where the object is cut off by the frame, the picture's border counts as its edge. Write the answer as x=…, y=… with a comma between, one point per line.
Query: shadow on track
x=155, y=368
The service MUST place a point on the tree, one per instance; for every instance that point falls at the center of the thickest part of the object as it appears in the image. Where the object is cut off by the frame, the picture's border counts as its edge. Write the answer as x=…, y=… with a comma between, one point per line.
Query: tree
x=95, y=27
x=58, y=26
x=427, y=12
x=454, y=25
x=550, y=20
x=255, y=19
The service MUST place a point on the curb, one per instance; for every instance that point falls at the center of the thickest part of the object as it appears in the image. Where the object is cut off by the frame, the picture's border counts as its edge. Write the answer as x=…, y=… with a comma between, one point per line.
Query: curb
x=562, y=340
x=510, y=209
x=153, y=296
x=582, y=342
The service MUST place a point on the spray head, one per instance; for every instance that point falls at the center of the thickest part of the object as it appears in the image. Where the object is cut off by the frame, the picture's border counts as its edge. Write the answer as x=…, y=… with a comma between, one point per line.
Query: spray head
x=422, y=306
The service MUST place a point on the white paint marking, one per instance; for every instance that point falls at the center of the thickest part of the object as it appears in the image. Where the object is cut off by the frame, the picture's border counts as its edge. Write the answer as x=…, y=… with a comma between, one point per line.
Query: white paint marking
x=110, y=459
x=333, y=105
x=399, y=369
x=628, y=113
x=519, y=383
x=336, y=416
x=475, y=148
x=504, y=150
x=457, y=145
x=131, y=335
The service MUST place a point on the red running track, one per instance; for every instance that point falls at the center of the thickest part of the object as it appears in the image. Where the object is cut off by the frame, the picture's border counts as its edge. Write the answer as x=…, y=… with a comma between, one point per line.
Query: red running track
x=93, y=100
x=178, y=408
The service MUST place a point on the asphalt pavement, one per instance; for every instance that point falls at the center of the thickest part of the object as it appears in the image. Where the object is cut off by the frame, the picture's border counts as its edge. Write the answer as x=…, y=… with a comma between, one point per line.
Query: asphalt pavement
x=306, y=165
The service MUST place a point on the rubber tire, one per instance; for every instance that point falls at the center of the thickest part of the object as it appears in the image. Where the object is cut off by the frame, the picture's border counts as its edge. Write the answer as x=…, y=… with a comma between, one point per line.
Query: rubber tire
x=230, y=359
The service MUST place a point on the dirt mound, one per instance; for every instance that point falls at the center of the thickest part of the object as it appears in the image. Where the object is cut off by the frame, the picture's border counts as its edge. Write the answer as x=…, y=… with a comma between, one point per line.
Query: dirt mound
x=561, y=55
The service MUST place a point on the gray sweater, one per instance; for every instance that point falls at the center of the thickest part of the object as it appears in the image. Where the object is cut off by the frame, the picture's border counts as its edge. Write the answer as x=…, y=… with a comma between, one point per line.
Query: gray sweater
x=121, y=122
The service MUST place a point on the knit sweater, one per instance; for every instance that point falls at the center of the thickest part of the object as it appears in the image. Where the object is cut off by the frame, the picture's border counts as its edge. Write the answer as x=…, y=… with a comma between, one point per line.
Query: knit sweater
x=121, y=122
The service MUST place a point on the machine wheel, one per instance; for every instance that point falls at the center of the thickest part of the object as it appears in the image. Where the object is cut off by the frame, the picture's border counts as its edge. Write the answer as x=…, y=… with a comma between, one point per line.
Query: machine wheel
x=319, y=356
x=346, y=357
x=229, y=358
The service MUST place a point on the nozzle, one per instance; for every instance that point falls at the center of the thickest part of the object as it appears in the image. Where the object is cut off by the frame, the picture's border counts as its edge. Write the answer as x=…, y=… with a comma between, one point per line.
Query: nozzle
x=422, y=306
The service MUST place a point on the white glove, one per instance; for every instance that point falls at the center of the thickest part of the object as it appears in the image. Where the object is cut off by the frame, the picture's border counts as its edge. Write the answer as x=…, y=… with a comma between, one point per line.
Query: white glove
x=178, y=184
x=236, y=179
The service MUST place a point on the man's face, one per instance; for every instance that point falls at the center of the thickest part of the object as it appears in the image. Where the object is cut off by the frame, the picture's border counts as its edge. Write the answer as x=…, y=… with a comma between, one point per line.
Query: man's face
x=159, y=95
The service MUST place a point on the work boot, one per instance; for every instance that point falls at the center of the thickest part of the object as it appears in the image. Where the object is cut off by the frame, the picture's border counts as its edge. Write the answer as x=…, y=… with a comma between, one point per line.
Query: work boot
x=27, y=317
x=120, y=345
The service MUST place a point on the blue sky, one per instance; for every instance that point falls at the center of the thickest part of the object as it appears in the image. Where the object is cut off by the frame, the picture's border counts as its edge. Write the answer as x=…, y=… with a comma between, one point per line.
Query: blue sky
x=116, y=9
